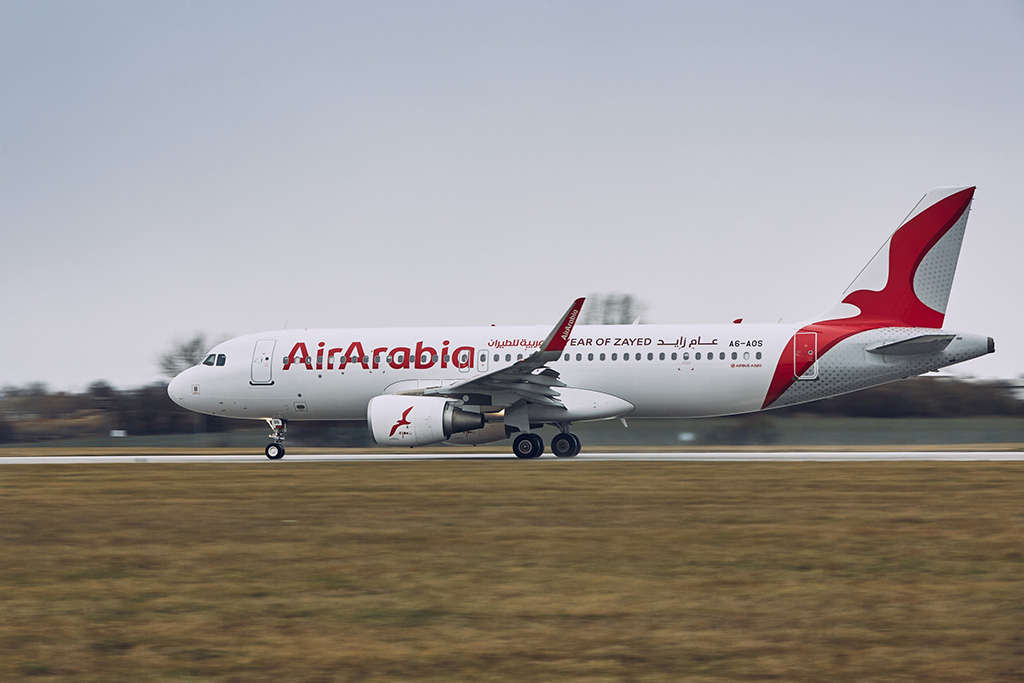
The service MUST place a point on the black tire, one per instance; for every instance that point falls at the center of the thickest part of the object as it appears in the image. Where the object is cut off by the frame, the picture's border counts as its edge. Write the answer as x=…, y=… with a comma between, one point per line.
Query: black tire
x=565, y=445
x=274, y=451
x=525, y=446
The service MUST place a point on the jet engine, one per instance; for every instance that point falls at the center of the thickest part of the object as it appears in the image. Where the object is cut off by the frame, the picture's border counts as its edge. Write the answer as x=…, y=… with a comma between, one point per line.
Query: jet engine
x=397, y=420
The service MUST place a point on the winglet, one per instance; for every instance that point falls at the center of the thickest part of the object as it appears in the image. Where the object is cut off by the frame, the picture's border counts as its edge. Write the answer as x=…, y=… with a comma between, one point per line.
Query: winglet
x=559, y=336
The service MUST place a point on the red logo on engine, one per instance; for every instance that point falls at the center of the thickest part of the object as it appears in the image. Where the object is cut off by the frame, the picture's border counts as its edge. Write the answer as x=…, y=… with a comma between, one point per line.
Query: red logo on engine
x=402, y=422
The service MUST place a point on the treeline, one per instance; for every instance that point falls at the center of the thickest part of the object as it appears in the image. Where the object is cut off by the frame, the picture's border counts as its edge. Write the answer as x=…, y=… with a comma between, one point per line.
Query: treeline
x=925, y=397
x=34, y=413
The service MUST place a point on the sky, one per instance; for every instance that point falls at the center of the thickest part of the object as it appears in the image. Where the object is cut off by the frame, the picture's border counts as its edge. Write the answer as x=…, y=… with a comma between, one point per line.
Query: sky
x=177, y=168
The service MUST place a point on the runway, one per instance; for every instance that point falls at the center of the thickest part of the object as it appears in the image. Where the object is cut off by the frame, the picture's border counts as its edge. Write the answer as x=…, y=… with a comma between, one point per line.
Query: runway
x=880, y=456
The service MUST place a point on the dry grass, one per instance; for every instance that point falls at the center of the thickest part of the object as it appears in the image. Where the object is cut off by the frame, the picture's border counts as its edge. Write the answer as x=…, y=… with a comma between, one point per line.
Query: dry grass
x=546, y=570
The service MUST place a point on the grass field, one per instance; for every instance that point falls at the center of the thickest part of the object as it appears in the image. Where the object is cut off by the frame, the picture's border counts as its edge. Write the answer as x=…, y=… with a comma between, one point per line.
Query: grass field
x=508, y=570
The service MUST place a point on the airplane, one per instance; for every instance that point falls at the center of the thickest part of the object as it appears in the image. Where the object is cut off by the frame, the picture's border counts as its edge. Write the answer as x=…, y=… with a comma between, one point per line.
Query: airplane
x=472, y=385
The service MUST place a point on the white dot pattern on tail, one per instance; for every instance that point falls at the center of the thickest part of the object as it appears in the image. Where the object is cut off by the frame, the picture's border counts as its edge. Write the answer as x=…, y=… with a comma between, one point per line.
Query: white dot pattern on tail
x=934, y=276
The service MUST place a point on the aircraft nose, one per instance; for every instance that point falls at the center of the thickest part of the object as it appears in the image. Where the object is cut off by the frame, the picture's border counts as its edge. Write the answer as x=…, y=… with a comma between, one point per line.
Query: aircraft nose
x=178, y=389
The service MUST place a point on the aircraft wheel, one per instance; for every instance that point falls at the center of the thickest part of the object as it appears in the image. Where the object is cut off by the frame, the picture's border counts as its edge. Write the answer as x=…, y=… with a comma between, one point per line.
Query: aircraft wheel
x=274, y=451
x=527, y=446
x=565, y=445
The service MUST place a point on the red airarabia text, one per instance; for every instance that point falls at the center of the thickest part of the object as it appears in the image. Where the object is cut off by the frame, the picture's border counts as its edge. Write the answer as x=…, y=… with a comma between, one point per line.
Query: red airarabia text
x=420, y=357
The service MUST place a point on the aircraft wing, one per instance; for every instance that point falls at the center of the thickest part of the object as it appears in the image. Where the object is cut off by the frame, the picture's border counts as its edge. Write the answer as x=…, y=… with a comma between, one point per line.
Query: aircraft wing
x=529, y=379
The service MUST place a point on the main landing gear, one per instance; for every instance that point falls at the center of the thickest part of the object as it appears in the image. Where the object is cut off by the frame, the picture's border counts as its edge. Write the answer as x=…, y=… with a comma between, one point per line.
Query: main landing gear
x=528, y=446
x=566, y=445
x=275, y=451
x=563, y=445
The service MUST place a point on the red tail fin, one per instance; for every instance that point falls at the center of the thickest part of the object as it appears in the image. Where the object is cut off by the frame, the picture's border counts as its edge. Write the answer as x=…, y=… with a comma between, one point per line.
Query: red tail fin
x=908, y=281
x=906, y=284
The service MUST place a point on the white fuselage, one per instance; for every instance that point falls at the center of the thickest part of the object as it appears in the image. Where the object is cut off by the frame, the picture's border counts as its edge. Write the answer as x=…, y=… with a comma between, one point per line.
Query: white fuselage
x=661, y=370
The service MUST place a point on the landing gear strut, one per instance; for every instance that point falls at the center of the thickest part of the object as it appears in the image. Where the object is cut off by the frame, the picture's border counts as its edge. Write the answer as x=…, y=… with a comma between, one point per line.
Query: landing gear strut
x=275, y=451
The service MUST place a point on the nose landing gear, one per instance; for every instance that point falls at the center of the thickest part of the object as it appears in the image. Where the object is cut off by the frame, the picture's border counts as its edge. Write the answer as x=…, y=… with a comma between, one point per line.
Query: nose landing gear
x=275, y=451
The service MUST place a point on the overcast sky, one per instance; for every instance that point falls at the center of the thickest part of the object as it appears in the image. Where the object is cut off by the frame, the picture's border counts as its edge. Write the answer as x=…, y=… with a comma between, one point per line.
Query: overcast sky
x=173, y=168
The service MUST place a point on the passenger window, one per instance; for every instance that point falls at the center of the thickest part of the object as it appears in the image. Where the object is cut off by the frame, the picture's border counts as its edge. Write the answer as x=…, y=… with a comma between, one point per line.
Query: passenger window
x=650, y=356
x=746, y=355
x=661, y=356
x=615, y=356
x=734, y=356
x=686, y=356
x=675, y=356
x=625, y=356
x=758, y=356
x=566, y=357
x=221, y=359
x=496, y=358
x=590, y=356
x=212, y=357
x=579, y=356
x=602, y=356
x=721, y=356
x=508, y=357
x=697, y=355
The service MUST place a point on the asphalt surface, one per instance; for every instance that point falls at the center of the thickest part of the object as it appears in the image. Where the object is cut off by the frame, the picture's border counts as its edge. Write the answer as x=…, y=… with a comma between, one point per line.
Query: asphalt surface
x=887, y=456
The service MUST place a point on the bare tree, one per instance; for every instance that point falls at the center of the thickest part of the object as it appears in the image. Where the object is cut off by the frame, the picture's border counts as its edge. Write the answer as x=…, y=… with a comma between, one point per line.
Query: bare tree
x=612, y=309
x=183, y=355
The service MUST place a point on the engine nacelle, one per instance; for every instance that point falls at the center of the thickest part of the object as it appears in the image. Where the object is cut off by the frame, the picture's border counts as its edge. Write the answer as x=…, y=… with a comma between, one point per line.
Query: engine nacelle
x=397, y=420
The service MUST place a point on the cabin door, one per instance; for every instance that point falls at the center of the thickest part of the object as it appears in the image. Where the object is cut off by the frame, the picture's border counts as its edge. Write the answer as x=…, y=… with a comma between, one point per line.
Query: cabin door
x=263, y=361
x=805, y=355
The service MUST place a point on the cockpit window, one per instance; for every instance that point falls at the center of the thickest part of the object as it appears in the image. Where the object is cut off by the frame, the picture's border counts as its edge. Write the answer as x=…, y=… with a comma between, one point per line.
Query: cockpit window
x=218, y=359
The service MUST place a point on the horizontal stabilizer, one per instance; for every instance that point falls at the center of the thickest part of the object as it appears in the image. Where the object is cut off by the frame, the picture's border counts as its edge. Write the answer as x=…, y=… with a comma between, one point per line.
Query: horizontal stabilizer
x=925, y=343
